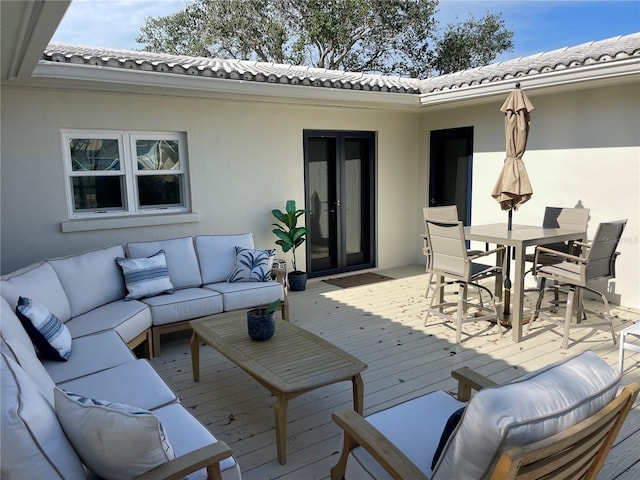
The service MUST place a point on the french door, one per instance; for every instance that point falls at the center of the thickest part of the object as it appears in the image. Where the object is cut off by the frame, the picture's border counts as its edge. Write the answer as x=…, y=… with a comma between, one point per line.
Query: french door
x=339, y=180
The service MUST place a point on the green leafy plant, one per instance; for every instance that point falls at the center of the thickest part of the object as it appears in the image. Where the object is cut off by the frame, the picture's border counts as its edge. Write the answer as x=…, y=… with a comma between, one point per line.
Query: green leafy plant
x=272, y=307
x=290, y=235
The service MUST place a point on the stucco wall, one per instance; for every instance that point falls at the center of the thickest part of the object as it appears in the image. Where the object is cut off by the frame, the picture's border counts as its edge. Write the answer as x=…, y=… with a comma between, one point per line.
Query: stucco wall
x=245, y=158
x=584, y=150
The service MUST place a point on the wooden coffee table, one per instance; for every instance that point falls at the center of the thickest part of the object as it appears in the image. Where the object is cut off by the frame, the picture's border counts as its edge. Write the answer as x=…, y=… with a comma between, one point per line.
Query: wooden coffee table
x=290, y=363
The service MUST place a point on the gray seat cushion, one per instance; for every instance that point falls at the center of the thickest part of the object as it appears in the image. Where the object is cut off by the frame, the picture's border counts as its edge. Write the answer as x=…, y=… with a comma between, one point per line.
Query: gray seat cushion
x=247, y=294
x=185, y=304
x=129, y=319
x=133, y=383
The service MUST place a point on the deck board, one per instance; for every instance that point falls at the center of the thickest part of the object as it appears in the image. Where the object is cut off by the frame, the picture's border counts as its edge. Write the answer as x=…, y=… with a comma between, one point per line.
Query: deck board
x=383, y=325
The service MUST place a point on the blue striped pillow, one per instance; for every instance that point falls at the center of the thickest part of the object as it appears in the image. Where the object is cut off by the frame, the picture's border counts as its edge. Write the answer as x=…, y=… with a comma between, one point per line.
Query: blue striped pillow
x=49, y=335
x=146, y=277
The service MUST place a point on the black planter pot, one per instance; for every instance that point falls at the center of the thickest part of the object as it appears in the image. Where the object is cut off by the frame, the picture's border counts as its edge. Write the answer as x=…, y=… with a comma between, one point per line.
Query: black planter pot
x=297, y=281
x=260, y=326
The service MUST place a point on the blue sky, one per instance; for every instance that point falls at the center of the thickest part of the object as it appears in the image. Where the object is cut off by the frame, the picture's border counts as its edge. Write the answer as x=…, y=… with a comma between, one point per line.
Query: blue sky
x=538, y=25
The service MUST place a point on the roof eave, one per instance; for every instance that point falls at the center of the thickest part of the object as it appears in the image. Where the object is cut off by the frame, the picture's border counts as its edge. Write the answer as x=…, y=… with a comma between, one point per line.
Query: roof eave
x=587, y=76
x=65, y=75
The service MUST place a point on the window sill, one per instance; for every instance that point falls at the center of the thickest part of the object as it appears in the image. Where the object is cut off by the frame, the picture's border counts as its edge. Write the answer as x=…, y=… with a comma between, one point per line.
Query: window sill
x=86, y=225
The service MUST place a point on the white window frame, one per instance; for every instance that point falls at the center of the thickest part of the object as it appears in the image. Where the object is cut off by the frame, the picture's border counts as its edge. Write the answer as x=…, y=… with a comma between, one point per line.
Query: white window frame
x=128, y=171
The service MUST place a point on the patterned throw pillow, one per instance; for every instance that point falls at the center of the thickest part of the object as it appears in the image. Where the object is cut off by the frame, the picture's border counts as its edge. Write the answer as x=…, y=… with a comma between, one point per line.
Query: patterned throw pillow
x=115, y=441
x=252, y=265
x=49, y=335
x=145, y=277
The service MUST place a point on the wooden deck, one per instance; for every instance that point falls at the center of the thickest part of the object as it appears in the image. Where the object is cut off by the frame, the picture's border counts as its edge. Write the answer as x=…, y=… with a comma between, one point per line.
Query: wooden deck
x=383, y=325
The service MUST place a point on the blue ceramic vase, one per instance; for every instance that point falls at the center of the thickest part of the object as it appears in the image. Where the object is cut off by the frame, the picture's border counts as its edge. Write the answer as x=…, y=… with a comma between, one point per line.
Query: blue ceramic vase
x=260, y=326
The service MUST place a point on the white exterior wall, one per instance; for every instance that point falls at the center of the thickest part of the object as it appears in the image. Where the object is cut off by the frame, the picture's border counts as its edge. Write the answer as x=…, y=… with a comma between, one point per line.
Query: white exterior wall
x=245, y=158
x=583, y=150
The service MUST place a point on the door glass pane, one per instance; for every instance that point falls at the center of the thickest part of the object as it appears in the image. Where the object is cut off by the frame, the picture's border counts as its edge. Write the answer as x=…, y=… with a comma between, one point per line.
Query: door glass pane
x=321, y=164
x=356, y=204
x=91, y=154
x=157, y=155
x=98, y=193
x=154, y=190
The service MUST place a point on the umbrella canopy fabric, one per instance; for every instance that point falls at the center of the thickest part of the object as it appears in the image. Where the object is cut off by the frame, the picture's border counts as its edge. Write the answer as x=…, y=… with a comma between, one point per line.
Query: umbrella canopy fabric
x=513, y=187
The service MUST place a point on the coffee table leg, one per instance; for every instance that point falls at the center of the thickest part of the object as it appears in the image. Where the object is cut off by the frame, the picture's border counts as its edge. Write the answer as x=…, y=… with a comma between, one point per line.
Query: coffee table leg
x=195, y=356
x=358, y=394
x=280, y=412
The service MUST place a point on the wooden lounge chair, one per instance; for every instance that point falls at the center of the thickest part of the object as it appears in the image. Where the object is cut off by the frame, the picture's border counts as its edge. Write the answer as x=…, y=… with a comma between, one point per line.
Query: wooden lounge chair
x=539, y=426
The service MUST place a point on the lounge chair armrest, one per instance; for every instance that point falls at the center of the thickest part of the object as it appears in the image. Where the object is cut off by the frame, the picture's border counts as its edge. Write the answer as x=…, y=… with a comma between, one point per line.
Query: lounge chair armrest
x=208, y=457
x=357, y=431
x=564, y=255
x=469, y=380
x=488, y=252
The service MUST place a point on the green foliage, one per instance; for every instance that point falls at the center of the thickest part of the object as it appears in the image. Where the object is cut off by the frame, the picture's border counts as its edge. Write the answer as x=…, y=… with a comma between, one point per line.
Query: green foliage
x=272, y=307
x=386, y=36
x=290, y=235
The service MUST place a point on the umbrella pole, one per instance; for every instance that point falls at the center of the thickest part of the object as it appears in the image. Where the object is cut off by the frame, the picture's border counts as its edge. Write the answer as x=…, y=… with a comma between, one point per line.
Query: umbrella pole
x=507, y=277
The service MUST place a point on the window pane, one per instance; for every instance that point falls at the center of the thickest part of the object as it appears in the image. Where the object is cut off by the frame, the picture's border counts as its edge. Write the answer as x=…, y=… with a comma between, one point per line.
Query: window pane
x=157, y=155
x=95, y=193
x=160, y=190
x=90, y=154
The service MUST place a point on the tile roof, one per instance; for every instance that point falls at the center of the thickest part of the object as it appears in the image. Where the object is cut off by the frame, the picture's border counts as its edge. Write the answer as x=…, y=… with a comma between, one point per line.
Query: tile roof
x=597, y=52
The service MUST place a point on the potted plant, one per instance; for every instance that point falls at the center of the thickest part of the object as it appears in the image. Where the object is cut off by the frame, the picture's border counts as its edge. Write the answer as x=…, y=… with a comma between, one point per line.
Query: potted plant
x=260, y=322
x=291, y=236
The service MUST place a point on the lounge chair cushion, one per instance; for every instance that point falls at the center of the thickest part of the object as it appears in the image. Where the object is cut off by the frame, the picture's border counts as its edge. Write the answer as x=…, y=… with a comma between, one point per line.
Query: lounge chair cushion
x=50, y=336
x=184, y=304
x=217, y=255
x=145, y=277
x=115, y=441
x=528, y=409
x=247, y=294
x=31, y=438
x=180, y=253
x=252, y=265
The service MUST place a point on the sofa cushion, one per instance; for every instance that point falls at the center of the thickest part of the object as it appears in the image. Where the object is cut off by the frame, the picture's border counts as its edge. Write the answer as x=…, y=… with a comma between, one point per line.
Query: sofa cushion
x=185, y=304
x=145, y=277
x=50, y=336
x=187, y=434
x=413, y=427
x=91, y=354
x=115, y=441
x=40, y=283
x=252, y=265
x=247, y=294
x=129, y=319
x=132, y=383
x=16, y=340
x=181, y=259
x=31, y=439
x=91, y=279
x=217, y=255
x=533, y=407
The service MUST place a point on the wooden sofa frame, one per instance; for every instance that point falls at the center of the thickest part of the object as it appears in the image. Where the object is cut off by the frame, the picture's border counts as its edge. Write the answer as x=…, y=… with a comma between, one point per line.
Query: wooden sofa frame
x=577, y=453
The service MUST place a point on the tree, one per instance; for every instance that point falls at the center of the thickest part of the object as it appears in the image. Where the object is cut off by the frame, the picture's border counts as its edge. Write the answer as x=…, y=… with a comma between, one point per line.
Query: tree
x=385, y=36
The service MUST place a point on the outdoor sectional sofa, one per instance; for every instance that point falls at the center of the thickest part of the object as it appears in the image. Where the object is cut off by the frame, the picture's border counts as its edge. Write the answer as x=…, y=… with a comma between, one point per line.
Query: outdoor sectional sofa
x=50, y=406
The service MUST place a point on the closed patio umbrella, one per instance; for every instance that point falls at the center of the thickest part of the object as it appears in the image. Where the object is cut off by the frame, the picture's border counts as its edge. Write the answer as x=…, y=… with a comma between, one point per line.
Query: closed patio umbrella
x=513, y=187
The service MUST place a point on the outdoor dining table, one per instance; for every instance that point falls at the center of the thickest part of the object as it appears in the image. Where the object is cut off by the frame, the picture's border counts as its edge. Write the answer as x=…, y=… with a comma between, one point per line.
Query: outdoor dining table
x=519, y=238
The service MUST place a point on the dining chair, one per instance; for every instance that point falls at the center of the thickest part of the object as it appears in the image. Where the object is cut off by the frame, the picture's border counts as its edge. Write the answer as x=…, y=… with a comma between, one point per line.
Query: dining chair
x=574, y=274
x=451, y=263
x=448, y=213
x=626, y=344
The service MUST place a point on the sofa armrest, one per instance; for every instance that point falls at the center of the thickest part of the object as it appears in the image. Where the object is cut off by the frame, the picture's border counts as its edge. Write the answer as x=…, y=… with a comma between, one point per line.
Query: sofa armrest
x=208, y=457
x=357, y=431
x=469, y=380
x=281, y=277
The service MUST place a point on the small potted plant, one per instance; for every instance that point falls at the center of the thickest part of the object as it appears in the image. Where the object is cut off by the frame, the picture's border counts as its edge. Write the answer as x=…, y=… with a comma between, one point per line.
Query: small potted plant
x=291, y=236
x=260, y=322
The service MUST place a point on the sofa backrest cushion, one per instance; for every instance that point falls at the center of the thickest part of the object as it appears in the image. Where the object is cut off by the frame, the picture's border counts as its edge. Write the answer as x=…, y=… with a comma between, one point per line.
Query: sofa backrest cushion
x=528, y=409
x=180, y=255
x=91, y=279
x=33, y=444
x=217, y=254
x=40, y=283
x=15, y=338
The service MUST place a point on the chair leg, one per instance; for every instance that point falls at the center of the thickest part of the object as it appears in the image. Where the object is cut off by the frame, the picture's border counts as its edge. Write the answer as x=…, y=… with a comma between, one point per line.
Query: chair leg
x=621, y=352
x=536, y=311
x=429, y=280
x=567, y=319
x=461, y=304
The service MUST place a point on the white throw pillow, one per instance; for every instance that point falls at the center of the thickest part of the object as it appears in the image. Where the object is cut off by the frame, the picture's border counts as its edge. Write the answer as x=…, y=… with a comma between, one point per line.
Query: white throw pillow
x=252, y=265
x=115, y=441
x=49, y=335
x=145, y=277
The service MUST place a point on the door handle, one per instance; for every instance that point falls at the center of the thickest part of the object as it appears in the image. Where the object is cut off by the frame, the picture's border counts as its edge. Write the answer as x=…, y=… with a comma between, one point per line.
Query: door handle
x=336, y=205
